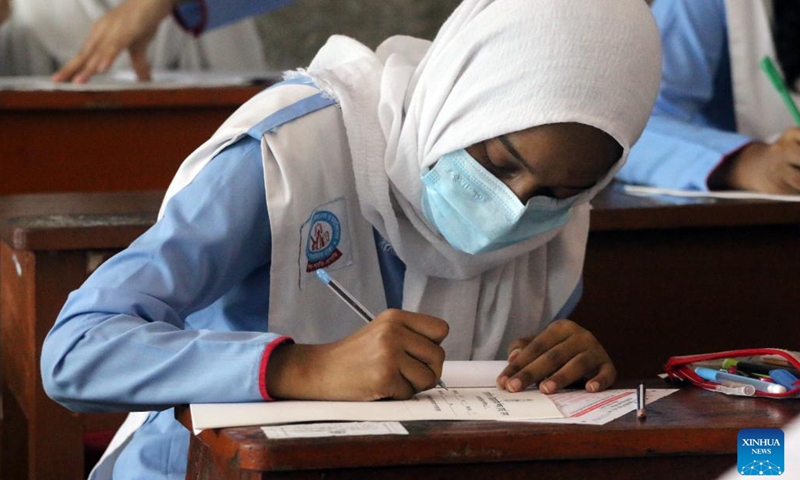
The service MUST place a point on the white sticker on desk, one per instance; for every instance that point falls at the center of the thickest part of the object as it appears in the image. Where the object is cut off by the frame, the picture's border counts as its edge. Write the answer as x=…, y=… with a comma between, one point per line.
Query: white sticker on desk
x=335, y=429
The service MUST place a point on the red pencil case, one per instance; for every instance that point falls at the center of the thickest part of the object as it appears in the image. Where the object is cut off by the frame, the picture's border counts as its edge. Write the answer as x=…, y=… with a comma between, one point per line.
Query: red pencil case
x=682, y=368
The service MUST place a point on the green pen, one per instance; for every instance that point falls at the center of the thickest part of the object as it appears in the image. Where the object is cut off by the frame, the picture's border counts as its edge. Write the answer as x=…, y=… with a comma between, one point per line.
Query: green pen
x=772, y=72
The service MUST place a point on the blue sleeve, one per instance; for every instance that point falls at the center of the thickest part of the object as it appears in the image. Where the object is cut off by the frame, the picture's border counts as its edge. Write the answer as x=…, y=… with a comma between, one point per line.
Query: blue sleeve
x=686, y=137
x=121, y=342
x=198, y=16
x=676, y=154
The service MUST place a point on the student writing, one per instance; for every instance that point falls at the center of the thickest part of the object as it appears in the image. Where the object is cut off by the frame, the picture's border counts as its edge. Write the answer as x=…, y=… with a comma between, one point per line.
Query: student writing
x=446, y=183
x=718, y=122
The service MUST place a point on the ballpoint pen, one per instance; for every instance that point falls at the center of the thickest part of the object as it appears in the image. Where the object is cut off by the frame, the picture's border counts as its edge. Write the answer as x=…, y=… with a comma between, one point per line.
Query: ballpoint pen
x=772, y=72
x=351, y=301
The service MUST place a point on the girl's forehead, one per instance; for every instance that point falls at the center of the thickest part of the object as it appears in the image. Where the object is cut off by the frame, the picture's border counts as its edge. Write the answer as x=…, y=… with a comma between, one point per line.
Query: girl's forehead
x=566, y=142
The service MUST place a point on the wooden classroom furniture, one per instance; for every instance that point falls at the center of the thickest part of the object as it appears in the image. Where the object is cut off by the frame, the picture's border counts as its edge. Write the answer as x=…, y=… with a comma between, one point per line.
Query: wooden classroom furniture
x=50, y=243
x=691, y=434
x=88, y=141
x=666, y=276
x=661, y=278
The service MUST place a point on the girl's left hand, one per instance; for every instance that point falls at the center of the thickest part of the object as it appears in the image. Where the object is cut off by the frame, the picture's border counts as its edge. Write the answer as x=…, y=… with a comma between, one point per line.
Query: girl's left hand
x=562, y=354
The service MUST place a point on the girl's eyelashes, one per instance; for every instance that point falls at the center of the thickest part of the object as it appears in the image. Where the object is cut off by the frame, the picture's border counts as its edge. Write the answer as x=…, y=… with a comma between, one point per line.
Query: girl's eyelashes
x=495, y=164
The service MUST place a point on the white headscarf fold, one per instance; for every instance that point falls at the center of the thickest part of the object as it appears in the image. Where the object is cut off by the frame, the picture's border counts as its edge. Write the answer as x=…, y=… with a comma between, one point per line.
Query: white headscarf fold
x=496, y=67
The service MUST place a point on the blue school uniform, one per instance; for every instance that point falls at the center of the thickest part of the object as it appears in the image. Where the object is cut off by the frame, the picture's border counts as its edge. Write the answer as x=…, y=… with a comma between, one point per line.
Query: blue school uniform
x=693, y=123
x=198, y=16
x=193, y=287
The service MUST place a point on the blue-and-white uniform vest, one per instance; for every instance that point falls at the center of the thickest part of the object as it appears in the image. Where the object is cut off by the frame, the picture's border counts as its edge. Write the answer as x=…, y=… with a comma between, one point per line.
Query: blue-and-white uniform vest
x=314, y=217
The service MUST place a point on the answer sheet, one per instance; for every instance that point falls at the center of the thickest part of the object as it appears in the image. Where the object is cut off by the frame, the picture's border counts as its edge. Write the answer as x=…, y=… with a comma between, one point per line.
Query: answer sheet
x=471, y=395
x=582, y=407
x=475, y=403
x=642, y=191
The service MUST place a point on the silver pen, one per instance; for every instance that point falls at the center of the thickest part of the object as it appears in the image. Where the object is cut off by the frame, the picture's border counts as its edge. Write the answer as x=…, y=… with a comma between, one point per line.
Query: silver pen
x=351, y=301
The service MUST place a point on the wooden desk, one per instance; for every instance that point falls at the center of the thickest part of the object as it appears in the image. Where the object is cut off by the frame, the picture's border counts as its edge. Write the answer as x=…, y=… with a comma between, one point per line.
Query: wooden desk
x=667, y=277
x=73, y=141
x=691, y=434
x=50, y=243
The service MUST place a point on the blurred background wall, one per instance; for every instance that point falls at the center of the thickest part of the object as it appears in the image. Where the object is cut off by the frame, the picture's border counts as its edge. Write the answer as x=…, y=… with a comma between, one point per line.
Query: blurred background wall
x=293, y=34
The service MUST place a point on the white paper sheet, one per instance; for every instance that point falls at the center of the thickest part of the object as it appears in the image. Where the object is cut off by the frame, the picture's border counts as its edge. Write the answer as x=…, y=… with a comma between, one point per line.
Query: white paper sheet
x=642, y=191
x=436, y=404
x=466, y=373
x=471, y=395
x=127, y=81
x=337, y=429
x=582, y=407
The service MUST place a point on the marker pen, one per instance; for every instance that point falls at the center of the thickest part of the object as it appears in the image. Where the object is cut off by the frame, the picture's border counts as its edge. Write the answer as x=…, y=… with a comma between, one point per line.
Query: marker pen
x=755, y=368
x=785, y=378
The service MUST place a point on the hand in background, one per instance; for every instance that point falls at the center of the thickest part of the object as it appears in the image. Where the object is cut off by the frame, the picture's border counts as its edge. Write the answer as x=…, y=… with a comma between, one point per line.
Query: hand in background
x=762, y=167
x=562, y=354
x=130, y=25
x=394, y=356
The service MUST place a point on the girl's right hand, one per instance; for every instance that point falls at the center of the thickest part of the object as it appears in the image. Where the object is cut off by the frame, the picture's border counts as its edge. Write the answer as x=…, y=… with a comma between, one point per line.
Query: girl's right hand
x=395, y=356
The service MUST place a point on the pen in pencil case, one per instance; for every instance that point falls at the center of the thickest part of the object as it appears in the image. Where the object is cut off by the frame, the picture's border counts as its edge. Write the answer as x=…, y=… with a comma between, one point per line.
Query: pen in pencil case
x=351, y=301
x=785, y=378
x=717, y=376
x=756, y=368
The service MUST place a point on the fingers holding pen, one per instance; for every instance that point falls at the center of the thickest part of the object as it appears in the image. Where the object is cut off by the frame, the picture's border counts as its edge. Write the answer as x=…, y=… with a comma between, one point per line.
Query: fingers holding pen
x=418, y=337
x=394, y=356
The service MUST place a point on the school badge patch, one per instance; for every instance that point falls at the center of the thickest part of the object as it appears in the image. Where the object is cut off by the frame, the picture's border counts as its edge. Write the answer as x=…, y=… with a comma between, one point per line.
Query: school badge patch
x=325, y=238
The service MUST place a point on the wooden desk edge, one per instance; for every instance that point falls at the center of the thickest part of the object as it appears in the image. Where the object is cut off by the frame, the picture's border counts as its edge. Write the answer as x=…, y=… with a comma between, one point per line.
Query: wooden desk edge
x=161, y=98
x=616, y=210
x=67, y=221
x=623, y=438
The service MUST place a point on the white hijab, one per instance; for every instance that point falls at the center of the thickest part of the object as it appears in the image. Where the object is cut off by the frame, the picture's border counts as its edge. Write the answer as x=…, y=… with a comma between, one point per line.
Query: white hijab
x=496, y=66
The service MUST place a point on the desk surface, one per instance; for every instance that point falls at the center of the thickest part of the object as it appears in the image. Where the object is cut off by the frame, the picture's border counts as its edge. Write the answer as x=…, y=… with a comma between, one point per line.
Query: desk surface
x=66, y=221
x=691, y=426
x=615, y=210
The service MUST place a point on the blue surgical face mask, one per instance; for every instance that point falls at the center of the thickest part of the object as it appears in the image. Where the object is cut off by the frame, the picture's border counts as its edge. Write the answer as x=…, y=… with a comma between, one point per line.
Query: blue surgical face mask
x=476, y=212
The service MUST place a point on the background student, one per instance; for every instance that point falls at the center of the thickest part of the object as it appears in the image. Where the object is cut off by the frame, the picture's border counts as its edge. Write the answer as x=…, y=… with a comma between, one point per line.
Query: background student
x=445, y=184
x=42, y=37
x=718, y=122
x=132, y=25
